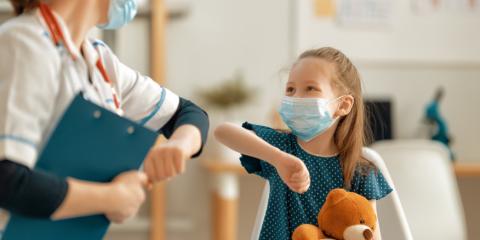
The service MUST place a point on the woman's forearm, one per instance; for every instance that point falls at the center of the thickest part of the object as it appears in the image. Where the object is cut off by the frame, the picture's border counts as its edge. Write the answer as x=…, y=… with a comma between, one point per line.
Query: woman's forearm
x=188, y=126
x=246, y=142
x=85, y=198
x=39, y=194
x=30, y=192
x=188, y=137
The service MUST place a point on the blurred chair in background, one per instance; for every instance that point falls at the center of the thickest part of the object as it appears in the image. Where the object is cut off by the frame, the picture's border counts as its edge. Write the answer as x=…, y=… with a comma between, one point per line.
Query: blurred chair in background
x=424, y=178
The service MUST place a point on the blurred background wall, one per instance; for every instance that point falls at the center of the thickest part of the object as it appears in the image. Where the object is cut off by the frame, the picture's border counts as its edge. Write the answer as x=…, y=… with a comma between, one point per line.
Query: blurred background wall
x=403, y=57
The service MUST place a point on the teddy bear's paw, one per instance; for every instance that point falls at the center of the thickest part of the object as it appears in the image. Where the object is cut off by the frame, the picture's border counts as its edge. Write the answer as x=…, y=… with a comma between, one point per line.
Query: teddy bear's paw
x=306, y=232
x=358, y=232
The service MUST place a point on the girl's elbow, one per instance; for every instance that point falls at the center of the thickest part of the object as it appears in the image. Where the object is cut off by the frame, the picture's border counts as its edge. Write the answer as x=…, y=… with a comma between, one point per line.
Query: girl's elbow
x=221, y=131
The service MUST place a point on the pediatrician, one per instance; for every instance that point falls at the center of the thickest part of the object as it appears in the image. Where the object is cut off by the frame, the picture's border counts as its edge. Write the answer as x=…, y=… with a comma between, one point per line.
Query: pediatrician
x=45, y=60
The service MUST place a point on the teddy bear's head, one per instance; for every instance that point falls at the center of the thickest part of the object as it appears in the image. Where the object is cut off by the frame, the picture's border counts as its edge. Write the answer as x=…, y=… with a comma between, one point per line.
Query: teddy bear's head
x=347, y=215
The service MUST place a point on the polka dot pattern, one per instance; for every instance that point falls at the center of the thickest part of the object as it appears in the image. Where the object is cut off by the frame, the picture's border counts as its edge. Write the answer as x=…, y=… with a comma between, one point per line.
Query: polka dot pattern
x=286, y=209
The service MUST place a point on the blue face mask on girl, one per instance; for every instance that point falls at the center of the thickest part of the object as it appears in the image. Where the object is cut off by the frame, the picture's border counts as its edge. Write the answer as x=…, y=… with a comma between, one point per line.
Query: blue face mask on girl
x=307, y=117
x=120, y=12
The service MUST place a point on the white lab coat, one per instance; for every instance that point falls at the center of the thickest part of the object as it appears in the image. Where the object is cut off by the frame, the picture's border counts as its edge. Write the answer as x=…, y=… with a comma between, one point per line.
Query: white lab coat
x=38, y=80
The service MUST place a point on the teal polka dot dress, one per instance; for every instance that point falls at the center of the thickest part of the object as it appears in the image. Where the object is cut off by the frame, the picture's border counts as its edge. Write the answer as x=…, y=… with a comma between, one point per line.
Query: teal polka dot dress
x=286, y=209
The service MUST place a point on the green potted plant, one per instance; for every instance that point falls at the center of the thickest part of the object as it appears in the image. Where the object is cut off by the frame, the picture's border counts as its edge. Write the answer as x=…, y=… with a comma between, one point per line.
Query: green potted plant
x=228, y=95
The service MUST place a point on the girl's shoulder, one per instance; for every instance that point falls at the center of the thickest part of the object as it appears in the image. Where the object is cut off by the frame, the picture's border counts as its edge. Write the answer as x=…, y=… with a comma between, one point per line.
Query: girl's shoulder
x=276, y=137
x=369, y=181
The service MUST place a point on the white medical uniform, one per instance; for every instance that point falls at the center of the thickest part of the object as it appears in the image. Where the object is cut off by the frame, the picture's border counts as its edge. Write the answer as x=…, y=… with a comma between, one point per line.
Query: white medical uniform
x=38, y=80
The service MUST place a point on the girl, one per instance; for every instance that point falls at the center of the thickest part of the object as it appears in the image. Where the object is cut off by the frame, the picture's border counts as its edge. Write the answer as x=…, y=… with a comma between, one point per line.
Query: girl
x=323, y=107
x=45, y=60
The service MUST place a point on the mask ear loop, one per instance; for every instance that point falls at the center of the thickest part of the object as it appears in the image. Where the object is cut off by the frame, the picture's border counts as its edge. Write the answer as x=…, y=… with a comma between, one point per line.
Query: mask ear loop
x=332, y=101
x=336, y=99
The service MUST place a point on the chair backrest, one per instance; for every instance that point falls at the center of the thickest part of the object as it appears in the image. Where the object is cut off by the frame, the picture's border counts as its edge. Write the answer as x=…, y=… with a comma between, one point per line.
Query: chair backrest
x=424, y=178
x=390, y=212
x=391, y=216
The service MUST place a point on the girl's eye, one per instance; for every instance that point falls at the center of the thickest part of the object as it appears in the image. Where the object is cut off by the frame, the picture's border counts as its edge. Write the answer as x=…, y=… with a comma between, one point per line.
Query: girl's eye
x=290, y=89
x=311, y=89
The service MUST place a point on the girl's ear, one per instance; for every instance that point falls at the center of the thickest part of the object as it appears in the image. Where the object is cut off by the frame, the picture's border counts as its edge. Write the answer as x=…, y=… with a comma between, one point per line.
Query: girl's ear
x=345, y=105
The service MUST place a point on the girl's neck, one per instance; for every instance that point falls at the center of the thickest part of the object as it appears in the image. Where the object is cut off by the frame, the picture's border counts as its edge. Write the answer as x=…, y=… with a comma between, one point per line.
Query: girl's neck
x=322, y=145
x=79, y=16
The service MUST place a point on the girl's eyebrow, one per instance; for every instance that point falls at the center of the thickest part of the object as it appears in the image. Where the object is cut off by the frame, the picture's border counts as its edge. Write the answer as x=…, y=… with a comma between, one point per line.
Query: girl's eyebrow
x=313, y=82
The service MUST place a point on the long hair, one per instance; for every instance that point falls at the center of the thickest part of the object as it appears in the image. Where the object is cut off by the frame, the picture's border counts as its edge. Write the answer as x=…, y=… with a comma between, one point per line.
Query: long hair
x=351, y=134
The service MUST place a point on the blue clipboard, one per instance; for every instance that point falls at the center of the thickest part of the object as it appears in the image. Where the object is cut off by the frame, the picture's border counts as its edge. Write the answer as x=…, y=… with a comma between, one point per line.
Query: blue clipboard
x=89, y=143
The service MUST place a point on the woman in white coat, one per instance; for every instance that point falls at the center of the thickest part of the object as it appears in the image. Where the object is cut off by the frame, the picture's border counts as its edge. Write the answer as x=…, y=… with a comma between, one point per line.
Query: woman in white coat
x=45, y=60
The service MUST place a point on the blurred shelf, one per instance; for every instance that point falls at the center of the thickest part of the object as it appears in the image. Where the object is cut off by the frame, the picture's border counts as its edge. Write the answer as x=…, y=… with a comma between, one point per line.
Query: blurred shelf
x=467, y=169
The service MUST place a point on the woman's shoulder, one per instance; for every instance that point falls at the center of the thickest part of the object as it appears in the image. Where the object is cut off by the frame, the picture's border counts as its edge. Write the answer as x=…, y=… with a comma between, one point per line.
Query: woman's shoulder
x=25, y=25
x=26, y=35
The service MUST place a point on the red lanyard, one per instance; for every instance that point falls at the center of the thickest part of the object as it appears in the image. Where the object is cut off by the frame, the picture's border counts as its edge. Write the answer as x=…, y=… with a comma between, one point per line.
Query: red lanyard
x=58, y=37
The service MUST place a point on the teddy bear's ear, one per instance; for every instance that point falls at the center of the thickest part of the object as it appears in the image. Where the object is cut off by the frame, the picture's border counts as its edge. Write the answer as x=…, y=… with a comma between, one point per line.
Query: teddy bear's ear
x=336, y=195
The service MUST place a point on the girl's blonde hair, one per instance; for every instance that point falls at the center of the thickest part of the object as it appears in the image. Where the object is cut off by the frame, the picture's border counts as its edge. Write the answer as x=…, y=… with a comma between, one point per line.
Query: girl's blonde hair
x=351, y=135
x=21, y=6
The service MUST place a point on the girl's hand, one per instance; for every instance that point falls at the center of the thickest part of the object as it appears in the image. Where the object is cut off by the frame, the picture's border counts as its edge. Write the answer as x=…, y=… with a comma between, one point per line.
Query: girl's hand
x=166, y=160
x=292, y=171
x=127, y=195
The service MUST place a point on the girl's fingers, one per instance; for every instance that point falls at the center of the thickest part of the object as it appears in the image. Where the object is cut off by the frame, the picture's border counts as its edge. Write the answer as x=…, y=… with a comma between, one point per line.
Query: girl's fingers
x=300, y=176
x=297, y=187
x=300, y=187
x=306, y=188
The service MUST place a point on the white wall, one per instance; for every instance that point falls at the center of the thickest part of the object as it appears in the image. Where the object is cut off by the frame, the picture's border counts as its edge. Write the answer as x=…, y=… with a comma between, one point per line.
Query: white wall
x=443, y=36
x=407, y=61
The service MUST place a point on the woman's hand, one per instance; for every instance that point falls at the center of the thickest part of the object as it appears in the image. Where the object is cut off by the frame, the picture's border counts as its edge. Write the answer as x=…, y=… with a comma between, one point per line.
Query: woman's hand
x=127, y=196
x=292, y=171
x=166, y=160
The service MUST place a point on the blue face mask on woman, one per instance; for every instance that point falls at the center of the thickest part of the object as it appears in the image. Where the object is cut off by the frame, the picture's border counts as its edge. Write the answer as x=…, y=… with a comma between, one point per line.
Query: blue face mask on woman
x=120, y=12
x=307, y=117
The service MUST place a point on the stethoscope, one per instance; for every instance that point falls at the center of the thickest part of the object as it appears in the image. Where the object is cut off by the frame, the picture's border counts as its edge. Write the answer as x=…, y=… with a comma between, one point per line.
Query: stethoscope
x=58, y=37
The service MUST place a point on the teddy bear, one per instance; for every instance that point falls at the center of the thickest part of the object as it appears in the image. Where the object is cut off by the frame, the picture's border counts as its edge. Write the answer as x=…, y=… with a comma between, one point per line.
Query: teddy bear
x=344, y=216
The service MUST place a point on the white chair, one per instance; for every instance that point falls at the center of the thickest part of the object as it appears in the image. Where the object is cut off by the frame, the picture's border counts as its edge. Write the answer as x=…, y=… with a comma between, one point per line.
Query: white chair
x=392, y=218
x=424, y=178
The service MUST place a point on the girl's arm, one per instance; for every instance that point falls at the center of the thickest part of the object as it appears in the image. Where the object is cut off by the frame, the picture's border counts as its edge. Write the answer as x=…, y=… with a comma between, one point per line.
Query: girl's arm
x=377, y=234
x=291, y=169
